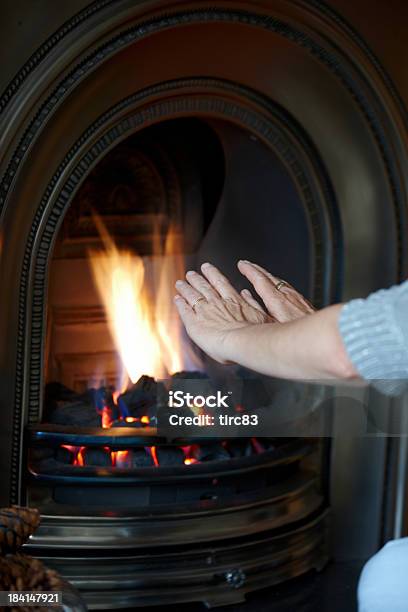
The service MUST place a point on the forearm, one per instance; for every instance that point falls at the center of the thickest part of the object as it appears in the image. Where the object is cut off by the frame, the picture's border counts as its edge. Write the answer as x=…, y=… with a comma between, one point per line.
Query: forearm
x=307, y=348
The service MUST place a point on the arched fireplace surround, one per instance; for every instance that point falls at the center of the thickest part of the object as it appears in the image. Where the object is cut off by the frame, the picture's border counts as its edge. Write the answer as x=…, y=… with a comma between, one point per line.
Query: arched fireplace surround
x=292, y=74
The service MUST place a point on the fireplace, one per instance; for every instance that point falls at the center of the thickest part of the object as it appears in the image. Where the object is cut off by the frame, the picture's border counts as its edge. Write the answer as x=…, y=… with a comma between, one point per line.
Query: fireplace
x=127, y=164
x=100, y=467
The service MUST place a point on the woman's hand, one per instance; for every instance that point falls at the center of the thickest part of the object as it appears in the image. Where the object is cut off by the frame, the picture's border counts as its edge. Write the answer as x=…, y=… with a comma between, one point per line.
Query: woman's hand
x=211, y=309
x=233, y=327
x=284, y=304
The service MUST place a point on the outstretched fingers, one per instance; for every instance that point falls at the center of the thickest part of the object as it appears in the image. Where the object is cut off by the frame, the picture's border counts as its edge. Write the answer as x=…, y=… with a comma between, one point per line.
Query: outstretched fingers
x=189, y=293
x=185, y=311
x=220, y=283
x=200, y=284
x=282, y=300
x=263, y=285
x=251, y=301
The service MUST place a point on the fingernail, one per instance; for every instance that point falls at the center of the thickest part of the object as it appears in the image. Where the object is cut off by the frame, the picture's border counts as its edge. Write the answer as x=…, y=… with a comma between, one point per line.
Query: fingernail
x=179, y=283
x=190, y=272
x=205, y=265
x=244, y=261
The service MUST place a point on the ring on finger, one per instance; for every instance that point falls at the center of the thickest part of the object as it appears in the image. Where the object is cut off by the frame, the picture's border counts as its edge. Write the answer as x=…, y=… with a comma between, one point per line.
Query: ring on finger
x=280, y=284
x=196, y=301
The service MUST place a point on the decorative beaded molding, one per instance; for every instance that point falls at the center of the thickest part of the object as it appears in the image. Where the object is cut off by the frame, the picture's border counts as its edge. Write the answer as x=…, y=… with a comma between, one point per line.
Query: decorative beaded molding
x=211, y=15
x=125, y=38
x=318, y=6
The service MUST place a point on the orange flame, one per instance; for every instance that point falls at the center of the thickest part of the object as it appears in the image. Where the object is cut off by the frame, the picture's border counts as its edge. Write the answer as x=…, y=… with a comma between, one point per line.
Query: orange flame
x=121, y=458
x=190, y=461
x=132, y=419
x=148, y=335
x=153, y=453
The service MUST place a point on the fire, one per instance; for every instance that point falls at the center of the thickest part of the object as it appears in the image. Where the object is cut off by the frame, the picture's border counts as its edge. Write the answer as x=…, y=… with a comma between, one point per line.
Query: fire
x=106, y=414
x=133, y=419
x=123, y=458
x=120, y=458
x=147, y=332
x=190, y=461
x=153, y=452
x=77, y=454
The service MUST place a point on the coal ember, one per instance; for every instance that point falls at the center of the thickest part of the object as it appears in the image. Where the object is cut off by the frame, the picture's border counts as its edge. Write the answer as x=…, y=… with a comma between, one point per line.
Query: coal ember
x=210, y=452
x=258, y=445
x=169, y=456
x=269, y=443
x=38, y=454
x=101, y=399
x=55, y=395
x=126, y=424
x=189, y=375
x=135, y=458
x=98, y=457
x=255, y=391
x=249, y=450
x=239, y=448
x=79, y=414
x=64, y=455
x=196, y=383
x=141, y=458
x=142, y=398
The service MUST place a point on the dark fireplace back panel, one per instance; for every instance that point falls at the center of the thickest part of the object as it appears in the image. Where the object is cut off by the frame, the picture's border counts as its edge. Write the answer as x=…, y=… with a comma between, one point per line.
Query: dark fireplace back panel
x=261, y=216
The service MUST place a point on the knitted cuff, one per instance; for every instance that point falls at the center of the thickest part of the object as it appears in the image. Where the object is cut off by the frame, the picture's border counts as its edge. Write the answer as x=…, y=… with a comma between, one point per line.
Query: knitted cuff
x=374, y=342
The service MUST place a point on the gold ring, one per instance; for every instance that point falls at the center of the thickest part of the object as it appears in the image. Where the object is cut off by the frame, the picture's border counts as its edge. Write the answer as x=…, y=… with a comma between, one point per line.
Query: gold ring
x=281, y=284
x=194, y=304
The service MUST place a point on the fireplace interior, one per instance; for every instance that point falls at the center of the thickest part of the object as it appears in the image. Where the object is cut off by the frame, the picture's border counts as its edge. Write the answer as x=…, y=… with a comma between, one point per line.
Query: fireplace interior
x=140, y=140
x=163, y=200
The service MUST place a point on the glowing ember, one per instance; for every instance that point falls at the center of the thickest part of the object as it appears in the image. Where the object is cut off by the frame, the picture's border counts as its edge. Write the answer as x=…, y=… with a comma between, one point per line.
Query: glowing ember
x=121, y=459
x=77, y=453
x=152, y=450
x=190, y=461
x=115, y=396
x=79, y=459
x=106, y=414
x=257, y=445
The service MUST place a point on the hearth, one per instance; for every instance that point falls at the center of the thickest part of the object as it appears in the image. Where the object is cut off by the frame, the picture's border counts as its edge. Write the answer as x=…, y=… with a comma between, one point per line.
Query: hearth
x=142, y=140
x=195, y=519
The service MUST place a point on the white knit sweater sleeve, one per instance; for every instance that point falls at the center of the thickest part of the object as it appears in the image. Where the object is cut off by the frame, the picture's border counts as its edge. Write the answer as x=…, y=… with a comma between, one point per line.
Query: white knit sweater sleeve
x=375, y=334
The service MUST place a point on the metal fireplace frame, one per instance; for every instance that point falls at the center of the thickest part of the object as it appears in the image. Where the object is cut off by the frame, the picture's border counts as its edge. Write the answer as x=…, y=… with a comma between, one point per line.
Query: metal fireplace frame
x=52, y=136
x=221, y=530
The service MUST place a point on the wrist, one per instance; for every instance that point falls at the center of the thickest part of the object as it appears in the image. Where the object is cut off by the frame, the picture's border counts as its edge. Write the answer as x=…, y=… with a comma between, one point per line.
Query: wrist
x=232, y=343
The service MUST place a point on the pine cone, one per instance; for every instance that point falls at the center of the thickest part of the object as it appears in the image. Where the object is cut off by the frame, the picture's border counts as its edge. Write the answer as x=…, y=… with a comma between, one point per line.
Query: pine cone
x=16, y=526
x=22, y=573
